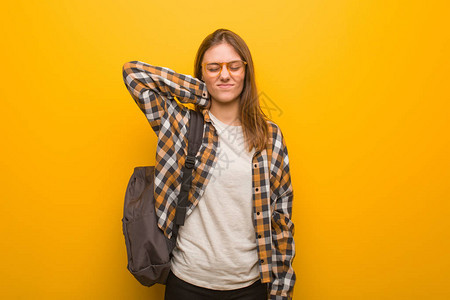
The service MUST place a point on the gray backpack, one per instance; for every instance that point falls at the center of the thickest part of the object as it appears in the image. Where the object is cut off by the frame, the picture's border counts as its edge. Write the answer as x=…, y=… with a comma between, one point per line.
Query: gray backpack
x=148, y=250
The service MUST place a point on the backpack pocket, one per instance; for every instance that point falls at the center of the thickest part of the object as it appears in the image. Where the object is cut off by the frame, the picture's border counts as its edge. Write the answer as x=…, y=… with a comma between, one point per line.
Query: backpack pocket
x=148, y=256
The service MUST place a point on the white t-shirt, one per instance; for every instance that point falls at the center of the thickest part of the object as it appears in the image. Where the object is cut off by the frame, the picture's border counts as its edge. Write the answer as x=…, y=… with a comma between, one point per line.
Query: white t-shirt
x=216, y=246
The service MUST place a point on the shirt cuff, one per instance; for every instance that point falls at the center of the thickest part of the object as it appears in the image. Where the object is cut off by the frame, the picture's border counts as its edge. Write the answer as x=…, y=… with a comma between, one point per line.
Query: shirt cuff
x=202, y=92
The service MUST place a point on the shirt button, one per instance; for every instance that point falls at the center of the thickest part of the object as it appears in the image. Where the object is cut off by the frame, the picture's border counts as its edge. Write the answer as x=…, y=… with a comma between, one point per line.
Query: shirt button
x=256, y=189
x=255, y=165
x=262, y=260
x=204, y=94
x=258, y=213
x=259, y=236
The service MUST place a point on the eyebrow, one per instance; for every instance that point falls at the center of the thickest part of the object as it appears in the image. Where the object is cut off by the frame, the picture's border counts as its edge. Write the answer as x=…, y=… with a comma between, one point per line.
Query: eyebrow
x=224, y=61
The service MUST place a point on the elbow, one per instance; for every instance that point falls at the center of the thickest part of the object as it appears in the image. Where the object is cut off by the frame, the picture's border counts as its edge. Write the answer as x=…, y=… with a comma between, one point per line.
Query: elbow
x=127, y=70
x=129, y=64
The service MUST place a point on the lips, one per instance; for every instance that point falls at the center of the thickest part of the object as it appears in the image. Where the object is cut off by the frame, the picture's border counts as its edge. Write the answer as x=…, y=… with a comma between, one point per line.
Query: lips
x=224, y=86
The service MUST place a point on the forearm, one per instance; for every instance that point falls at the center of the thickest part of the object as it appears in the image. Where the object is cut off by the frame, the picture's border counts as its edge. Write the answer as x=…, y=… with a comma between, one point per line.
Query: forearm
x=140, y=77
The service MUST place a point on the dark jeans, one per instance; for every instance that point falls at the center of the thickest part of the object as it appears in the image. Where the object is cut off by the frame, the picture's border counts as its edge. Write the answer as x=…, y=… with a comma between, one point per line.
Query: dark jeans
x=177, y=289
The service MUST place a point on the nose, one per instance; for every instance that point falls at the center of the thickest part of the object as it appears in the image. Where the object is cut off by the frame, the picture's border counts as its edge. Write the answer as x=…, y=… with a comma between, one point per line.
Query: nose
x=224, y=72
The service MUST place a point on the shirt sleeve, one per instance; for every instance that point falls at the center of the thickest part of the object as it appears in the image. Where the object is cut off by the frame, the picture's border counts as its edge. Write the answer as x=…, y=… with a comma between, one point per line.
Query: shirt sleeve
x=283, y=250
x=152, y=86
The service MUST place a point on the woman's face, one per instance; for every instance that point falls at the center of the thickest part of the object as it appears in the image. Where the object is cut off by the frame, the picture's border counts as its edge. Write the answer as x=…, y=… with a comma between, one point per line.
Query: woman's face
x=217, y=85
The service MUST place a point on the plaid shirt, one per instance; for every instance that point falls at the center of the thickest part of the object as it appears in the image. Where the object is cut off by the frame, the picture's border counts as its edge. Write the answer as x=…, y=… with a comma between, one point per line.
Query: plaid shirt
x=155, y=89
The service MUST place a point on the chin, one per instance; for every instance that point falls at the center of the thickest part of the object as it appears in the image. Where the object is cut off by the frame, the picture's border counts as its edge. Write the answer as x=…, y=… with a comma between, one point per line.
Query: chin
x=225, y=97
x=225, y=100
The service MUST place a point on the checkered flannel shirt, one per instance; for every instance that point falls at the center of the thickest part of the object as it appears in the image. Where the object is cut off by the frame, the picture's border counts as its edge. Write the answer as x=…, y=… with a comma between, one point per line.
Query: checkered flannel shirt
x=155, y=91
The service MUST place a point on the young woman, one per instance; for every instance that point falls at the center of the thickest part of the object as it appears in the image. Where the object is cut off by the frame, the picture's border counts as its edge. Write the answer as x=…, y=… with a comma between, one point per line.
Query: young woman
x=237, y=239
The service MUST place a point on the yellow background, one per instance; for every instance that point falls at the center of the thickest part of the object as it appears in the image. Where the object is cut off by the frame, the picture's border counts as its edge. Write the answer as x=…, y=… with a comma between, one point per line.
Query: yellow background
x=360, y=91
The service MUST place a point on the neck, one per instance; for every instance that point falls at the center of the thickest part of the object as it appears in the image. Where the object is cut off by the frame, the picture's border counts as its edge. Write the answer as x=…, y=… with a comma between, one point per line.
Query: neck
x=227, y=113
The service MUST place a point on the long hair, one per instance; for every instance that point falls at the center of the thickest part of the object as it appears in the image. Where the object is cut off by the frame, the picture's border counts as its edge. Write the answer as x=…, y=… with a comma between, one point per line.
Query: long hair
x=252, y=118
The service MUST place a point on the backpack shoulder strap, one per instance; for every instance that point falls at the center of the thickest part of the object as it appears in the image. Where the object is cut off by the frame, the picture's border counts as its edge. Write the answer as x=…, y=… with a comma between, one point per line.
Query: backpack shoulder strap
x=195, y=135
